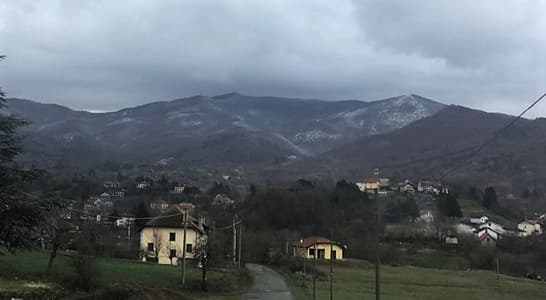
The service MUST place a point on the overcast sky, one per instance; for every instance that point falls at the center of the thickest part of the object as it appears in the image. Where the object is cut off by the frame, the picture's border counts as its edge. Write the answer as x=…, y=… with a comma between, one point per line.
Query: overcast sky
x=105, y=55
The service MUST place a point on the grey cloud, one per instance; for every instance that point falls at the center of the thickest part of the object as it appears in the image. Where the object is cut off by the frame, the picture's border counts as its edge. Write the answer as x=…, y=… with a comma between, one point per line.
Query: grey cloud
x=110, y=54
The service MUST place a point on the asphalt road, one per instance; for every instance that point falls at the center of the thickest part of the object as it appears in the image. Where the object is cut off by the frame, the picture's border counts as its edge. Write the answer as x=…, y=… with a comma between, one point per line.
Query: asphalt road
x=268, y=285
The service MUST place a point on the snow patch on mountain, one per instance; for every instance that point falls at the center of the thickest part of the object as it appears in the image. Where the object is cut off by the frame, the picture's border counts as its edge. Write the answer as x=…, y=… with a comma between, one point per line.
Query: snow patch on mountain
x=313, y=136
x=178, y=115
x=245, y=125
x=120, y=121
x=297, y=148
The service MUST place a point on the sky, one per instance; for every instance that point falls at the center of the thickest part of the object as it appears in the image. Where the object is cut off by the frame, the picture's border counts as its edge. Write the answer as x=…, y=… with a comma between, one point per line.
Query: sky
x=104, y=55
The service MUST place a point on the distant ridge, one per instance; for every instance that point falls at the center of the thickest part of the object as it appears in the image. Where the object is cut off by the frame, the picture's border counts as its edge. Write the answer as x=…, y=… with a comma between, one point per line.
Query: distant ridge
x=228, y=129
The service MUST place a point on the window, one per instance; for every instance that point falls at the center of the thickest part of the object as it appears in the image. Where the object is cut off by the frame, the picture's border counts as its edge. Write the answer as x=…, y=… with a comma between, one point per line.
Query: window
x=333, y=256
x=312, y=252
x=189, y=248
x=172, y=236
x=150, y=246
x=173, y=253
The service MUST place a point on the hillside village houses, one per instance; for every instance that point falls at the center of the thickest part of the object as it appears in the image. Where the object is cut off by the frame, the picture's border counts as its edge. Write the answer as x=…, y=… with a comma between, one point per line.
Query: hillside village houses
x=374, y=184
x=159, y=205
x=161, y=239
x=530, y=227
x=406, y=187
x=179, y=189
x=143, y=185
x=318, y=247
x=489, y=232
x=111, y=185
x=383, y=186
x=223, y=200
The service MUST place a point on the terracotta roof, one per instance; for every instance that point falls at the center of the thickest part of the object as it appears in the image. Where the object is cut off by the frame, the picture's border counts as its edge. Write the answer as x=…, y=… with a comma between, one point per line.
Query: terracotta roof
x=310, y=241
x=369, y=179
x=533, y=222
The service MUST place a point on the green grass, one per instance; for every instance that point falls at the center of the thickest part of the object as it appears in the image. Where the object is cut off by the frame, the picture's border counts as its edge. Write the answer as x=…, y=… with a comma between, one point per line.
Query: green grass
x=17, y=270
x=472, y=208
x=355, y=280
x=433, y=259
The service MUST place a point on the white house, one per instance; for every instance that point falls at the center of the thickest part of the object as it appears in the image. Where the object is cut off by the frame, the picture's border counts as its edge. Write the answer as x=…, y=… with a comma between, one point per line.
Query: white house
x=492, y=226
x=406, y=187
x=487, y=236
x=529, y=227
x=481, y=220
x=142, y=185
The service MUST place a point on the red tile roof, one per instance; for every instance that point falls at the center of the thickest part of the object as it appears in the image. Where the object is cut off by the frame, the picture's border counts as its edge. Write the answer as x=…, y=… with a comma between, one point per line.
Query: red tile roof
x=312, y=240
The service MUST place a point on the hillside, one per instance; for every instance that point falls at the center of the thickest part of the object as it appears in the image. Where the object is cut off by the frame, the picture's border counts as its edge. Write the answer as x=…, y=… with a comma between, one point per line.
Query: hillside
x=431, y=148
x=226, y=130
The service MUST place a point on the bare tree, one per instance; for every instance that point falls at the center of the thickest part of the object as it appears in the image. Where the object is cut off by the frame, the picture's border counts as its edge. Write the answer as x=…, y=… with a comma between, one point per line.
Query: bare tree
x=202, y=255
x=157, y=239
x=172, y=246
x=57, y=232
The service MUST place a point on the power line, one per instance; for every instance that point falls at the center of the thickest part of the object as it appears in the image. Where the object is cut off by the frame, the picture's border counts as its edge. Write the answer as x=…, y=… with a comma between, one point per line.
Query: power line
x=140, y=218
x=228, y=226
x=493, y=138
x=471, y=150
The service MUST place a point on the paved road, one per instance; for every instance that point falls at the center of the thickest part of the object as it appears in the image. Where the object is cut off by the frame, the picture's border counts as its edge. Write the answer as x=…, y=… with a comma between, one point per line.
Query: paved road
x=268, y=285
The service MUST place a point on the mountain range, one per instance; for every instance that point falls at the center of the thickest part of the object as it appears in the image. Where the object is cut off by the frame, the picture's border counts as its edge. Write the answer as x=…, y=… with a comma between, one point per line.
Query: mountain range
x=225, y=130
x=406, y=136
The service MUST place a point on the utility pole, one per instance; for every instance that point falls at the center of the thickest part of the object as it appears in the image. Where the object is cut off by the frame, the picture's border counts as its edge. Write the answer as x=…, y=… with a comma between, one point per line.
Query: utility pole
x=497, y=267
x=234, y=223
x=377, y=247
x=128, y=234
x=331, y=263
x=314, y=270
x=240, y=244
x=185, y=214
x=303, y=257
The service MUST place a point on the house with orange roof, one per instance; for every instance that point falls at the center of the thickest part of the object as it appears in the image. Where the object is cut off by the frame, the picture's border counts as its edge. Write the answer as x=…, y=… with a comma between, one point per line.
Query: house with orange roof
x=319, y=247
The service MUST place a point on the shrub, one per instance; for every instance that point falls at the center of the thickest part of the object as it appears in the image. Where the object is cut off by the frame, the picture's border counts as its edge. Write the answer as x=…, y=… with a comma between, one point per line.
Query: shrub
x=85, y=272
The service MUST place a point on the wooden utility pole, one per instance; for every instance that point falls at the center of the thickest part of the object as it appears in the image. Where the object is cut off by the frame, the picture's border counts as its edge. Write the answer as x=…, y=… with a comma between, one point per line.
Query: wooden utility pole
x=377, y=248
x=128, y=234
x=314, y=270
x=233, y=225
x=240, y=244
x=185, y=214
x=331, y=263
x=497, y=267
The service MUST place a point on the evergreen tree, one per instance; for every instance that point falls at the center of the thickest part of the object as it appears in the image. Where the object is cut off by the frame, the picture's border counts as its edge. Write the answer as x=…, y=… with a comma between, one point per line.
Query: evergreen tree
x=490, y=198
x=20, y=212
x=448, y=206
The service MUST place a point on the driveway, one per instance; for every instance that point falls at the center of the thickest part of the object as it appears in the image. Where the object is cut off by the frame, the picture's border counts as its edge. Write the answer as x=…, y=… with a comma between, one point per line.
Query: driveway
x=268, y=285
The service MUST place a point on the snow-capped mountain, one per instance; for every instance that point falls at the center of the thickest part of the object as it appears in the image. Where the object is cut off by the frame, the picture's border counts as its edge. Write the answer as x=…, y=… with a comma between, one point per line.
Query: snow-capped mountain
x=229, y=129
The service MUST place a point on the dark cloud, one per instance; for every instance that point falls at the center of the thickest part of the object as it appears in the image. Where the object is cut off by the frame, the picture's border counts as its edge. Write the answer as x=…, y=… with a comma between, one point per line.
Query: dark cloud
x=110, y=54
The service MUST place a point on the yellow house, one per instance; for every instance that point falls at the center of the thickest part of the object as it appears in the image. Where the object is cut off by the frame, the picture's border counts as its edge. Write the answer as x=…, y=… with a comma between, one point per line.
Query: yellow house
x=161, y=239
x=368, y=184
x=319, y=246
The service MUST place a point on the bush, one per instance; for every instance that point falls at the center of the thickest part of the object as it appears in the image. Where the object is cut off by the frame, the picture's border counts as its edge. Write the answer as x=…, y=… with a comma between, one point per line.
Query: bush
x=389, y=254
x=85, y=272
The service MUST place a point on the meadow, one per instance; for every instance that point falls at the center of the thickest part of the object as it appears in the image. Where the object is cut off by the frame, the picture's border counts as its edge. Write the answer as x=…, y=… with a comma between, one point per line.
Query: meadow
x=355, y=280
x=26, y=271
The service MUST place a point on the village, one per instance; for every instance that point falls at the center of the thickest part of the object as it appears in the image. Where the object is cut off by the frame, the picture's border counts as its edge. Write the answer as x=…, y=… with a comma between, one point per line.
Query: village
x=175, y=223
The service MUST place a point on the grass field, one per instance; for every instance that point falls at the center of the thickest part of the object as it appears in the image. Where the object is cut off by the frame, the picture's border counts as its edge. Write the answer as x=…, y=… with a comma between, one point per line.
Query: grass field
x=26, y=270
x=355, y=280
x=472, y=208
